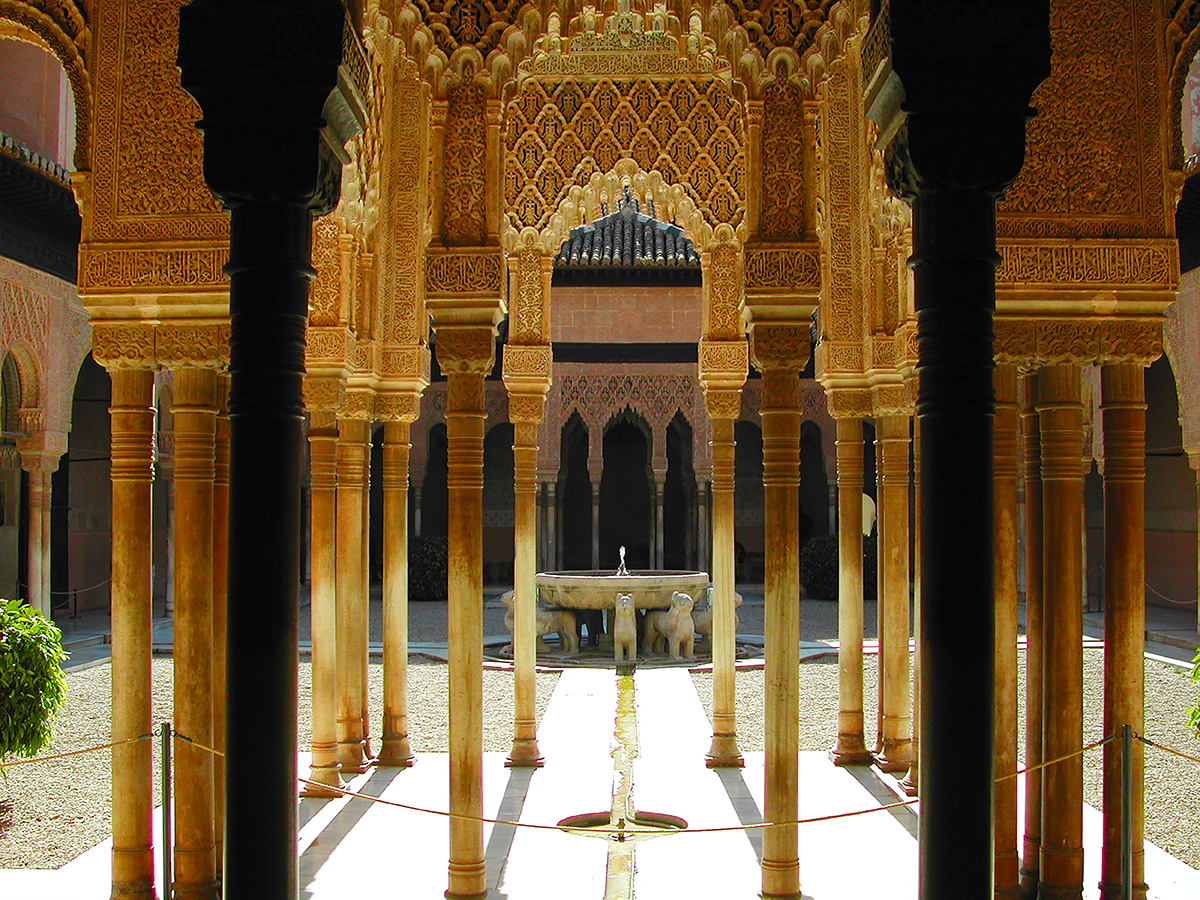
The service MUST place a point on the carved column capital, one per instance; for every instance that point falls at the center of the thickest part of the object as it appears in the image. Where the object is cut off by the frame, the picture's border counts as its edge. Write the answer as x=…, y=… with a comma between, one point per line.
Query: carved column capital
x=398, y=406
x=723, y=404
x=779, y=346
x=465, y=349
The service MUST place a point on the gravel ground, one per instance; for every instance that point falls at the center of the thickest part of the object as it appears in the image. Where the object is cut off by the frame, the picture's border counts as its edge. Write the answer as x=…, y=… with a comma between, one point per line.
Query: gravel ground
x=39, y=830
x=1172, y=785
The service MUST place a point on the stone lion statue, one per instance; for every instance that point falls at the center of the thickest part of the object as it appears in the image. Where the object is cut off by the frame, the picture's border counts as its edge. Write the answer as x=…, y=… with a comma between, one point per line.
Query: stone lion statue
x=672, y=627
x=625, y=629
x=549, y=621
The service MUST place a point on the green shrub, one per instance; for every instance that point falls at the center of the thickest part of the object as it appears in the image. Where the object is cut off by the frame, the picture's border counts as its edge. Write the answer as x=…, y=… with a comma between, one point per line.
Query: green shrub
x=428, y=567
x=33, y=687
x=1194, y=712
x=819, y=568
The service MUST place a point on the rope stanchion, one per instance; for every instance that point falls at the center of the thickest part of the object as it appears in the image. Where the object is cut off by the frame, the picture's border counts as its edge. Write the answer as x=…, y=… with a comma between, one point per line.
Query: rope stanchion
x=38, y=759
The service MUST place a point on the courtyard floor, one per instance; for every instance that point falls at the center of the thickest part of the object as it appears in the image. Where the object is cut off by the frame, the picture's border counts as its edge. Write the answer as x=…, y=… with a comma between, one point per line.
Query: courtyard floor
x=353, y=845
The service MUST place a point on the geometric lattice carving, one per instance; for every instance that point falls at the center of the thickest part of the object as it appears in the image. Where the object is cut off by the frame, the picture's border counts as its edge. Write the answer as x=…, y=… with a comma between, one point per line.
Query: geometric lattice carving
x=560, y=133
x=464, y=220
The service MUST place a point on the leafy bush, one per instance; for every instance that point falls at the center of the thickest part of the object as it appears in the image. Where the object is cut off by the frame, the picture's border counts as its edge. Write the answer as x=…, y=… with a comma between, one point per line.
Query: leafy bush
x=428, y=567
x=33, y=687
x=1194, y=712
x=819, y=568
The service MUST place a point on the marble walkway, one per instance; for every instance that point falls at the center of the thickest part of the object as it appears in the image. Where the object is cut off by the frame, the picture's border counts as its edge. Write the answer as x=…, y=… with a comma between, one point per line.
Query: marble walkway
x=355, y=848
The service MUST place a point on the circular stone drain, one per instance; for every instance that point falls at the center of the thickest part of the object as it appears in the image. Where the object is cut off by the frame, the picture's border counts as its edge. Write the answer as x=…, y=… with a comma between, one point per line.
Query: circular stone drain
x=641, y=826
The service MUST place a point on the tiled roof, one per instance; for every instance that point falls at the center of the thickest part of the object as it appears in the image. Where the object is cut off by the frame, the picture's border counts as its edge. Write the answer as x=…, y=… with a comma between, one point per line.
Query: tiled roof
x=627, y=237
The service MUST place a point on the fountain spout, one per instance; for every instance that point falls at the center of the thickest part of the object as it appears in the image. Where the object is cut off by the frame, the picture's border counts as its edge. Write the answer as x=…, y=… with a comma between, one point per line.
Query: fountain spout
x=621, y=570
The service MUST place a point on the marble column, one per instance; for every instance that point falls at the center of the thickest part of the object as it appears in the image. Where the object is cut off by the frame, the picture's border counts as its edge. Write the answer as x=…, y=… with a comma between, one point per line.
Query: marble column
x=465, y=355
x=353, y=462
x=396, y=749
x=132, y=771
x=1123, y=406
x=910, y=783
x=780, y=352
x=851, y=748
x=596, y=521
x=723, y=407
x=1004, y=468
x=220, y=608
x=893, y=437
x=1060, y=413
x=323, y=458
x=364, y=574
x=1034, y=637
x=416, y=515
x=194, y=413
x=525, y=412
x=552, y=541
x=272, y=195
x=660, y=481
x=39, y=467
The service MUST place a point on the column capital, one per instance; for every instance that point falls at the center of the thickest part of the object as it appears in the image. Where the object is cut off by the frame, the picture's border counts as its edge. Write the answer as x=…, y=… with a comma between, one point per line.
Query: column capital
x=359, y=403
x=526, y=408
x=398, y=406
x=723, y=364
x=779, y=345
x=527, y=367
x=723, y=404
x=465, y=349
x=41, y=451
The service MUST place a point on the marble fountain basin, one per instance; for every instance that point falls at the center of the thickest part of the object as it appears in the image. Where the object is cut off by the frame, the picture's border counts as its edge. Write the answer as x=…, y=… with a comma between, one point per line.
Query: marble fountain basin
x=598, y=589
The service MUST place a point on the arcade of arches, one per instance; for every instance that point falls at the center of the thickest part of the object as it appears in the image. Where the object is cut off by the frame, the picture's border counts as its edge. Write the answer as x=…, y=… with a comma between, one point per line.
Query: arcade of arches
x=685, y=254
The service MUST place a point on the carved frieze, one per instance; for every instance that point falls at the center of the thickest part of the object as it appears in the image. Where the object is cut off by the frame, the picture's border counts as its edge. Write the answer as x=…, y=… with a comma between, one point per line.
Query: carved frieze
x=329, y=345
x=464, y=216
x=1116, y=265
x=161, y=270
x=789, y=270
x=192, y=344
x=1095, y=341
x=455, y=273
x=323, y=394
x=527, y=362
x=724, y=362
x=723, y=284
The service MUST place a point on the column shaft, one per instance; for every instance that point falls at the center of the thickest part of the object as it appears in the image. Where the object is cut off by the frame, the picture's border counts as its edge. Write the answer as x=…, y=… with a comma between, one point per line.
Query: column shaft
x=220, y=609
x=195, y=413
x=851, y=748
x=525, y=450
x=595, y=523
x=353, y=460
x=724, y=749
x=132, y=772
x=37, y=592
x=464, y=439
x=781, y=479
x=323, y=456
x=911, y=781
x=1061, y=419
x=1004, y=463
x=893, y=438
x=660, y=480
x=954, y=268
x=395, y=749
x=1034, y=643
x=1123, y=402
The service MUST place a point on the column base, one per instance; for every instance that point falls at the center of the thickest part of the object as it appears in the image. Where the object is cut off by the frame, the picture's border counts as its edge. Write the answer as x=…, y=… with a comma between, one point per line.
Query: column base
x=908, y=783
x=396, y=753
x=724, y=753
x=785, y=872
x=323, y=782
x=352, y=757
x=851, y=750
x=206, y=891
x=1048, y=891
x=1111, y=890
x=797, y=895
x=133, y=890
x=525, y=755
x=896, y=756
x=475, y=876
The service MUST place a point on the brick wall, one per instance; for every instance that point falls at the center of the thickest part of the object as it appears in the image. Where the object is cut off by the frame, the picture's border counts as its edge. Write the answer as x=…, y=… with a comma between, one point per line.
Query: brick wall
x=625, y=314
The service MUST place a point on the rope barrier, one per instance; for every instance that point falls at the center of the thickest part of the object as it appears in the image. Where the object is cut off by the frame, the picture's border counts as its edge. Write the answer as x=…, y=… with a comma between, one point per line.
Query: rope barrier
x=1054, y=762
x=609, y=830
x=188, y=740
x=38, y=759
x=1165, y=749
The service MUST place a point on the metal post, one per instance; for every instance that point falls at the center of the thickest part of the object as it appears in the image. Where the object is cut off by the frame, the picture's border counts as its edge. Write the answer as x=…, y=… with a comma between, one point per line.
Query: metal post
x=166, y=809
x=1127, y=812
